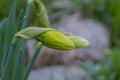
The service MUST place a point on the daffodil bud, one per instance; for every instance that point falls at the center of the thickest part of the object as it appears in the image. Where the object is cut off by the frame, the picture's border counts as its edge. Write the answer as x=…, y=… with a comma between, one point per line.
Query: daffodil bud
x=55, y=39
x=41, y=19
x=48, y=37
x=79, y=41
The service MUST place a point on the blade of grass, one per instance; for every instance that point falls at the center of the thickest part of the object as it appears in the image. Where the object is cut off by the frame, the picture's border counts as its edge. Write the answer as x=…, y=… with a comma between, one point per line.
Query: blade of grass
x=27, y=14
x=7, y=65
x=2, y=30
x=19, y=64
x=21, y=20
x=23, y=62
x=10, y=26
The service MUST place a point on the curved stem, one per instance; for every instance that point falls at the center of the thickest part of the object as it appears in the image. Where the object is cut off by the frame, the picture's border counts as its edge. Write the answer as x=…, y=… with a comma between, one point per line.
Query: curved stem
x=32, y=61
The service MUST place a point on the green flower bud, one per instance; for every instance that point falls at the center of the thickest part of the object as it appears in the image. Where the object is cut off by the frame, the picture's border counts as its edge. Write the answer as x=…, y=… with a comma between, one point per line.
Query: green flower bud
x=79, y=41
x=41, y=18
x=55, y=39
x=48, y=36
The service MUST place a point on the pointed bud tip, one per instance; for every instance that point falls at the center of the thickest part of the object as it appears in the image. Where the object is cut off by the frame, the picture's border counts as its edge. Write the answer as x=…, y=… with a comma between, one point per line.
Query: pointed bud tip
x=79, y=41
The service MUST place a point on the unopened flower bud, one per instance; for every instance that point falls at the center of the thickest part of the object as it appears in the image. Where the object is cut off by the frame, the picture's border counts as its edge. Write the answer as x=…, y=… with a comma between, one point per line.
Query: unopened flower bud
x=55, y=39
x=48, y=36
x=79, y=41
x=41, y=19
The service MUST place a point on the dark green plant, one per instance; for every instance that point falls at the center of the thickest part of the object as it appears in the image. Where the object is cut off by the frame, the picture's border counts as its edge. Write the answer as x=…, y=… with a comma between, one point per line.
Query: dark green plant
x=5, y=7
x=15, y=62
x=107, y=70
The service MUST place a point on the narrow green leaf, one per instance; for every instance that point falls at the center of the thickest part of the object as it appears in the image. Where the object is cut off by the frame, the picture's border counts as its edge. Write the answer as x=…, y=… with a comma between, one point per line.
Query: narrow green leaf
x=20, y=20
x=10, y=26
x=2, y=31
x=7, y=66
x=20, y=57
x=27, y=14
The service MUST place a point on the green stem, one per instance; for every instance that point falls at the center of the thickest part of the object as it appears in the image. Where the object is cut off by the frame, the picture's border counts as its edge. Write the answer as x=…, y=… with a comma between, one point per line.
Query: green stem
x=7, y=65
x=19, y=61
x=18, y=65
x=32, y=61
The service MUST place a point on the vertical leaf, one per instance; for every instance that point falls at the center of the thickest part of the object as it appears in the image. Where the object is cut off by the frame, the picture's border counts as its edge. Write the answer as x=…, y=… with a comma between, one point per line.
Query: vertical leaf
x=10, y=26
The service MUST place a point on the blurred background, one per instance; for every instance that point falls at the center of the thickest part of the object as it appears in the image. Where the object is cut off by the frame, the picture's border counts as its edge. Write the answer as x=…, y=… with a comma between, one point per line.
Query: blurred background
x=96, y=20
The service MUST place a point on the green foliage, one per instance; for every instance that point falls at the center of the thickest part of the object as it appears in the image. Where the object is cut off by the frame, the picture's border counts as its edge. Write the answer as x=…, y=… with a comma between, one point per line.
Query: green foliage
x=5, y=6
x=107, y=70
x=12, y=54
x=12, y=61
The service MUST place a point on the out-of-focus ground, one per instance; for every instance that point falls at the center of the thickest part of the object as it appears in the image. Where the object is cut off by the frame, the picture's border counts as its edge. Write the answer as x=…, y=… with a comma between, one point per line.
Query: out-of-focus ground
x=59, y=73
